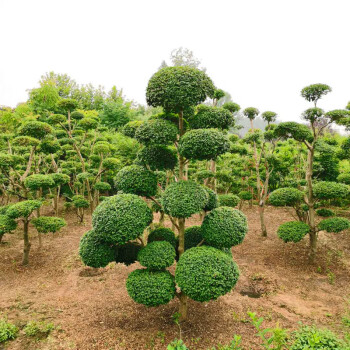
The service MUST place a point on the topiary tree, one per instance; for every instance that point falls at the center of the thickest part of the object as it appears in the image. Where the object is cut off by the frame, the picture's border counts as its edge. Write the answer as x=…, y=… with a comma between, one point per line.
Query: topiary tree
x=6, y=225
x=228, y=200
x=46, y=224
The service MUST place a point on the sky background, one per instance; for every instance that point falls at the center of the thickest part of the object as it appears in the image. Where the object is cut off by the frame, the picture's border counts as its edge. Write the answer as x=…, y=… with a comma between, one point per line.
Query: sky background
x=263, y=52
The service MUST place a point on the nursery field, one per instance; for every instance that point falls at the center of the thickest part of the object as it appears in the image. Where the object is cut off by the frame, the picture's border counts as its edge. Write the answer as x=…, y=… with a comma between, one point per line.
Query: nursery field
x=90, y=308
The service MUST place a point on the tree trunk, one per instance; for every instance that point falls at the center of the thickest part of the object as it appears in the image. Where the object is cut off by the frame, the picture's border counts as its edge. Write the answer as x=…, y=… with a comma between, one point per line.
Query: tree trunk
x=213, y=169
x=181, y=249
x=161, y=218
x=313, y=246
x=27, y=244
x=262, y=219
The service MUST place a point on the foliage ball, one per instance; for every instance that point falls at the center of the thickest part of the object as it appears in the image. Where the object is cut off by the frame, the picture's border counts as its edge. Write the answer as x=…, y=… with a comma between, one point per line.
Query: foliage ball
x=293, y=231
x=35, y=129
x=245, y=195
x=193, y=236
x=285, y=197
x=325, y=212
x=45, y=224
x=162, y=234
x=334, y=224
x=6, y=224
x=330, y=190
x=129, y=129
x=228, y=200
x=23, y=209
x=157, y=255
x=37, y=181
x=209, y=117
x=157, y=157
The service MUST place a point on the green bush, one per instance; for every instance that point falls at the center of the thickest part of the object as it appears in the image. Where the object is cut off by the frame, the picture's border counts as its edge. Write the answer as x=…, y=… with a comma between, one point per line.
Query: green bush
x=203, y=144
x=22, y=209
x=224, y=227
x=193, y=236
x=228, y=200
x=157, y=255
x=111, y=163
x=130, y=128
x=49, y=146
x=121, y=218
x=59, y=178
x=37, y=181
x=184, y=198
x=334, y=225
x=76, y=115
x=285, y=197
x=156, y=132
x=205, y=273
x=137, y=180
x=157, y=157
x=80, y=202
x=209, y=117
x=6, y=224
x=344, y=178
x=35, y=129
x=298, y=132
x=316, y=339
x=293, y=231
x=35, y=328
x=94, y=252
x=127, y=253
x=245, y=195
x=213, y=199
x=102, y=186
x=325, y=212
x=162, y=234
x=330, y=190
x=151, y=288
x=8, y=331
x=88, y=124
x=46, y=224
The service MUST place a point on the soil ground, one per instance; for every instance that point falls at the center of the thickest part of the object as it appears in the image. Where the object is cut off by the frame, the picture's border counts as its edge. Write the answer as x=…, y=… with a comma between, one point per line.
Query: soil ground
x=92, y=310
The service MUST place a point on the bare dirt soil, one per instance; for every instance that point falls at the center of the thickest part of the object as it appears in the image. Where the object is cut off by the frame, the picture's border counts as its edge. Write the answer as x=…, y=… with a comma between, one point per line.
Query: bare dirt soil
x=91, y=309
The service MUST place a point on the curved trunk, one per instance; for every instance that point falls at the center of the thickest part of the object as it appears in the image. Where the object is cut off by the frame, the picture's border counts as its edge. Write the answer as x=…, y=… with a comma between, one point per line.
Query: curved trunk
x=27, y=244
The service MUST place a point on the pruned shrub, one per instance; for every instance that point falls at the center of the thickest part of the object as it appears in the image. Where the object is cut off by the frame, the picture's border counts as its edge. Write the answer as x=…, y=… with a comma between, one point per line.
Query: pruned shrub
x=228, y=200
x=46, y=224
x=157, y=157
x=325, y=212
x=162, y=234
x=157, y=255
x=193, y=236
x=330, y=190
x=285, y=197
x=334, y=224
x=293, y=231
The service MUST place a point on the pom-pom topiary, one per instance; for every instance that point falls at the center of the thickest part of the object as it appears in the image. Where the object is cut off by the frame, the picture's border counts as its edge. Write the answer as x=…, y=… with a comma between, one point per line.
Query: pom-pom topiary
x=228, y=200
x=129, y=129
x=157, y=157
x=102, y=186
x=245, y=195
x=209, y=117
x=37, y=181
x=293, y=231
x=35, y=129
x=330, y=190
x=224, y=227
x=121, y=218
x=127, y=253
x=193, y=236
x=136, y=179
x=205, y=273
x=162, y=234
x=334, y=224
x=298, y=132
x=46, y=224
x=151, y=288
x=157, y=255
x=184, y=198
x=285, y=197
x=23, y=209
x=76, y=115
x=203, y=144
x=6, y=224
x=213, y=199
x=94, y=252
x=325, y=212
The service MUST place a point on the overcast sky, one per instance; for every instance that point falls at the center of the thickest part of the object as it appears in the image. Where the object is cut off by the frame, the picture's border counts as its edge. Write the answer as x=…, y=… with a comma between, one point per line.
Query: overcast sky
x=261, y=51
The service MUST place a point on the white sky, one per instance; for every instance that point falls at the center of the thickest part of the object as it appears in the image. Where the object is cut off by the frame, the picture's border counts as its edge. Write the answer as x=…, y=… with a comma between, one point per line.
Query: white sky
x=261, y=51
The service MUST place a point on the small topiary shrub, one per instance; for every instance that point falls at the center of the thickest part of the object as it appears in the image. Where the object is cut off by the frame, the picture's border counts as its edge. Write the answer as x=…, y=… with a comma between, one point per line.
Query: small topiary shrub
x=205, y=273
x=151, y=288
x=325, y=212
x=184, y=198
x=330, y=190
x=127, y=253
x=46, y=224
x=228, y=200
x=213, y=199
x=293, y=231
x=157, y=157
x=334, y=225
x=162, y=234
x=6, y=225
x=130, y=128
x=22, y=209
x=285, y=197
x=245, y=195
x=35, y=129
x=59, y=178
x=121, y=218
x=37, y=181
x=344, y=178
x=8, y=331
x=102, y=186
x=211, y=117
x=94, y=252
x=224, y=227
x=193, y=236
x=157, y=255
x=137, y=180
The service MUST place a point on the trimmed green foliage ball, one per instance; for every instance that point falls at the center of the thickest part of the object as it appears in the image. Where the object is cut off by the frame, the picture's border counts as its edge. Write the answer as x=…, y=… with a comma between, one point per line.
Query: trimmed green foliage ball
x=37, y=181
x=111, y=163
x=49, y=146
x=88, y=124
x=293, y=231
x=245, y=195
x=224, y=227
x=231, y=107
x=157, y=157
x=102, y=186
x=209, y=117
x=157, y=255
x=136, y=179
x=129, y=129
x=325, y=212
x=127, y=253
x=184, y=198
x=94, y=252
x=228, y=200
x=55, y=119
x=150, y=288
x=334, y=225
x=23, y=209
x=177, y=88
x=121, y=218
x=162, y=234
x=45, y=224
x=6, y=224
x=156, y=132
x=80, y=202
x=193, y=236
x=314, y=92
x=35, y=129
x=25, y=141
x=203, y=144
x=330, y=190
x=205, y=273
x=285, y=197
x=298, y=132
x=251, y=112
x=76, y=115
x=6, y=160
x=213, y=199
x=344, y=178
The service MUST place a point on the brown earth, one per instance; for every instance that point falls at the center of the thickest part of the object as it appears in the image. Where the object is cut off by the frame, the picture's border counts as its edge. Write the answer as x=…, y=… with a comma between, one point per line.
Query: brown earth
x=92, y=310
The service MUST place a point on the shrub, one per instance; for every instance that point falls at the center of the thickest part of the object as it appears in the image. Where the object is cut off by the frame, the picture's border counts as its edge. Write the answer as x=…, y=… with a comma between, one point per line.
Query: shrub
x=193, y=236
x=22, y=209
x=8, y=331
x=330, y=190
x=203, y=144
x=298, y=132
x=205, y=273
x=130, y=128
x=88, y=124
x=137, y=180
x=293, y=231
x=156, y=132
x=121, y=218
x=334, y=225
x=213, y=199
x=224, y=227
x=325, y=212
x=209, y=117
x=151, y=288
x=34, y=328
x=157, y=255
x=102, y=186
x=127, y=253
x=80, y=202
x=76, y=115
x=35, y=129
x=37, y=181
x=245, y=195
x=285, y=197
x=228, y=200
x=59, y=178
x=162, y=234
x=94, y=252
x=344, y=178
x=49, y=146
x=111, y=163
x=45, y=224
x=6, y=224
x=184, y=198
x=157, y=157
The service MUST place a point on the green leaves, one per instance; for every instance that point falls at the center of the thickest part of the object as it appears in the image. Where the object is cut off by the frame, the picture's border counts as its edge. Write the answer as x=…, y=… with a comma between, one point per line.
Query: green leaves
x=293, y=231
x=334, y=225
x=330, y=190
x=157, y=255
x=46, y=224
x=298, y=132
x=23, y=209
x=211, y=117
x=314, y=92
x=285, y=197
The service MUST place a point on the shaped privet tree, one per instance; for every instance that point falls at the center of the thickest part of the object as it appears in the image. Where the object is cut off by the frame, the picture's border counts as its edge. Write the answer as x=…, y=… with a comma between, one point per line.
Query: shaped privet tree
x=205, y=269
x=309, y=135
